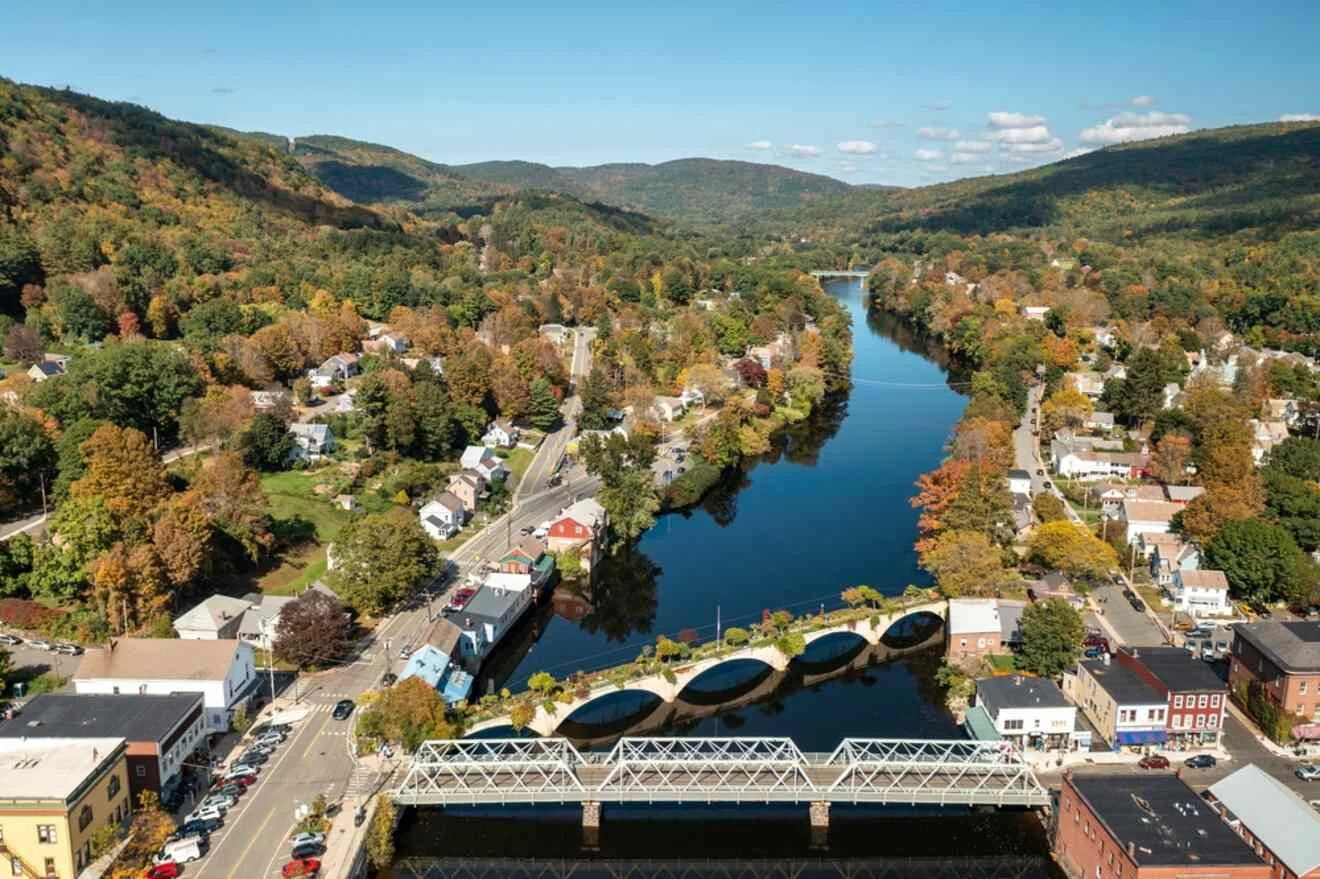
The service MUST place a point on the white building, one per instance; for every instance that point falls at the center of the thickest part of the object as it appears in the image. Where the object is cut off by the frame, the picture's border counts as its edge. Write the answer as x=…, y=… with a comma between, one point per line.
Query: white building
x=501, y=433
x=1143, y=517
x=1265, y=435
x=1029, y=712
x=473, y=456
x=443, y=517
x=1035, y=312
x=1019, y=482
x=222, y=671
x=668, y=408
x=1200, y=592
x=311, y=442
x=216, y=618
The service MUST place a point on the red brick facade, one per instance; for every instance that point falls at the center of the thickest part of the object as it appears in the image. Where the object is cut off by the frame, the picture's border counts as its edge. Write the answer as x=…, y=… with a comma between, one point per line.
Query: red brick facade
x=1191, y=713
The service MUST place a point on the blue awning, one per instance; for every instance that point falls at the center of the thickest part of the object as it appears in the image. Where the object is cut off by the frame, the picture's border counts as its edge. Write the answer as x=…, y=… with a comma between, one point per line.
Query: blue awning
x=1141, y=737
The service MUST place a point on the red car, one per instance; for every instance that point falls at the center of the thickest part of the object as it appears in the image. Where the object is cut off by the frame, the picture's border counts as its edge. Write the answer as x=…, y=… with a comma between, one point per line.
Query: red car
x=167, y=870
x=301, y=867
x=460, y=599
x=1153, y=761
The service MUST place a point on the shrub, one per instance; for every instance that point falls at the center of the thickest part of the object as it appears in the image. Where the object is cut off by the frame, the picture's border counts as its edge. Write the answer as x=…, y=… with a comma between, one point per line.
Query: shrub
x=21, y=613
x=736, y=637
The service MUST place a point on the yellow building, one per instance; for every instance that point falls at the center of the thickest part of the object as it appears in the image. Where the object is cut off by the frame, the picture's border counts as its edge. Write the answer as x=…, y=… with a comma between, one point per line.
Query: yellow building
x=54, y=794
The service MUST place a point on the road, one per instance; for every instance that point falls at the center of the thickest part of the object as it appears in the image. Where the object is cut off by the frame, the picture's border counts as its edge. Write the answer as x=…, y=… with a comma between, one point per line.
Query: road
x=317, y=757
x=1026, y=452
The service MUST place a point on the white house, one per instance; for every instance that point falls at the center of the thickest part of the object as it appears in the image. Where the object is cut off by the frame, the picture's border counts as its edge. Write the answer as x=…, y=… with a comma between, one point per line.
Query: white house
x=668, y=408
x=311, y=442
x=1107, y=336
x=268, y=401
x=1265, y=435
x=692, y=397
x=39, y=372
x=1142, y=517
x=442, y=517
x=1282, y=410
x=222, y=671
x=473, y=456
x=1091, y=465
x=1169, y=554
x=556, y=333
x=1029, y=712
x=1019, y=482
x=1103, y=421
x=1035, y=312
x=218, y=617
x=340, y=367
x=501, y=433
x=1200, y=593
x=1172, y=391
x=1090, y=383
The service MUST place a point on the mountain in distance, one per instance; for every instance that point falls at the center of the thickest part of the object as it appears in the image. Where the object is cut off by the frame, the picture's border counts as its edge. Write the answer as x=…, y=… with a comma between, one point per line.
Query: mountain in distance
x=691, y=190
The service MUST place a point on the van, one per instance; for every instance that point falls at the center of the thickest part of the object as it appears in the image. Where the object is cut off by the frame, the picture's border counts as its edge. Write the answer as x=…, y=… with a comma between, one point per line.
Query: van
x=190, y=848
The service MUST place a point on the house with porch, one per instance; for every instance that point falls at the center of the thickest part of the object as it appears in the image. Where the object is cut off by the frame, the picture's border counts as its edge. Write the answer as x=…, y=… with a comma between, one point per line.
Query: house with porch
x=1201, y=593
x=311, y=442
x=443, y=517
x=501, y=434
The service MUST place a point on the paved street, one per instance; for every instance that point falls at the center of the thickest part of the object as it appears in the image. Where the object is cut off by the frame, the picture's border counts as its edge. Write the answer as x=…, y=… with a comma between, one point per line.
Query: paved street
x=1132, y=626
x=1026, y=451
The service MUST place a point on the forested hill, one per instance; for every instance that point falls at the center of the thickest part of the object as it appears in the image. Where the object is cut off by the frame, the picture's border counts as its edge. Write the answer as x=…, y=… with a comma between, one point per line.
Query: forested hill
x=692, y=190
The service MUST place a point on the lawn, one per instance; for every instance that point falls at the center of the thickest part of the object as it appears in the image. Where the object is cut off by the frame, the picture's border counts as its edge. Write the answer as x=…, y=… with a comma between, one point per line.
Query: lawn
x=1002, y=665
x=518, y=460
x=290, y=496
x=299, y=569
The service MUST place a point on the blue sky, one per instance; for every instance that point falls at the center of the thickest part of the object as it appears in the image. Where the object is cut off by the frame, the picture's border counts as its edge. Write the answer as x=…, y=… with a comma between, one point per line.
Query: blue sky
x=878, y=92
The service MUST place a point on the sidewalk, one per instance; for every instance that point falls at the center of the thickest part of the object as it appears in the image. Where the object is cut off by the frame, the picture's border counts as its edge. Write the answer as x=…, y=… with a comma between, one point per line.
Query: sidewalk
x=1263, y=740
x=345, y=852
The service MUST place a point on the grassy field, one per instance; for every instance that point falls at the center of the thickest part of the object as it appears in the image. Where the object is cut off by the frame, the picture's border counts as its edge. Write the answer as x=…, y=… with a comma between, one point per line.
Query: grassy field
x=291, y=496
x=518, y=460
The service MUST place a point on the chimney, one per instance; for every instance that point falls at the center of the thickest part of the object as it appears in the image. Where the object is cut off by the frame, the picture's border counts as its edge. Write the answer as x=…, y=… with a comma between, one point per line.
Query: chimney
x=1132, y=850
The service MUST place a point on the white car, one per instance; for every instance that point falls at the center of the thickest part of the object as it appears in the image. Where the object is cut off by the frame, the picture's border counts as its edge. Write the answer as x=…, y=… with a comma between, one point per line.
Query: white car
x=223, y=802
x=1307, y=772
x=271, y=739
x=241, y=769
x=41, y=644
x=307, y=839
x=204, y=813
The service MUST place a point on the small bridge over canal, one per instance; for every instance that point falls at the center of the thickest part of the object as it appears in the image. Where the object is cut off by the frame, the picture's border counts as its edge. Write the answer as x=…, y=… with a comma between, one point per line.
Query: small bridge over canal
x=860, y=275
x=473, y=772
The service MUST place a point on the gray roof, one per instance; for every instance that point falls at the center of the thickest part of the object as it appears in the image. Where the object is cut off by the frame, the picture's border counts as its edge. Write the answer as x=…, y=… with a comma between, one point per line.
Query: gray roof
x=1292, y=646
x=1018, y=474
x=86, y=716
x=1123, y=684
x=1016, y=691
x=213, y=614
x=1010, y=622
x=316, y=431
x=1279, y=818
x=487, y=606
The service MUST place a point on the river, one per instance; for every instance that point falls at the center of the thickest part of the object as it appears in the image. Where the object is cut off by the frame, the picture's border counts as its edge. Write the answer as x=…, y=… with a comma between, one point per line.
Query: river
x=827, y=509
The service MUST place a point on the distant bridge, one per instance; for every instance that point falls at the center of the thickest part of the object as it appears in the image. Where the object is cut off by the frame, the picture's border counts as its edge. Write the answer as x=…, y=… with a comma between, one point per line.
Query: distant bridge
x=995, y=867
x=470, y=772
x=860, y=274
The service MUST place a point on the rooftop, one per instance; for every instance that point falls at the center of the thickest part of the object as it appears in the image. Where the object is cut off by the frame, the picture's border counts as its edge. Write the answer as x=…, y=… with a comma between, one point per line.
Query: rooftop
x=1163, y=819
x=88, y=716
x=1184, y=493
x=52, y=769
x=212, y=614
x=1203, y=579
x=1179, y=670
x=160, y=659
x=587, y=511
x=1292, y=646
x=973, y=615
x=1279, y=818
x=1016, y=691
x=488, y=605
x=1149, y=511
x=1122, y=683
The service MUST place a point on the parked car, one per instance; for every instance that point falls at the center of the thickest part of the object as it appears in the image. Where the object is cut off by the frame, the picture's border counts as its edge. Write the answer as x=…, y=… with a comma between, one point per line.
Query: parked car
x=1200, y=761
x=181, y=851
x=526, y=529
x=1307, y=772
x=1208, y=653
x=1154, y=761
x=1094, y=652
x=189, y=828
x=41, y=644
x=204, y=813
x=223, y=802
x=167, y=870
x=1261, y=610
x=230, y=788
x=241, y=769
x=68, y=649
x=460, y=599
x=244, y=780
x=1221, y=647
x=1138, y=605
x=1128, y=593
x=389, y=680
x=261, y=729
x=307, y=838
x=343, y=708
x=9, y=640
x=254, y=756
x=307, y=850
x=301, y=867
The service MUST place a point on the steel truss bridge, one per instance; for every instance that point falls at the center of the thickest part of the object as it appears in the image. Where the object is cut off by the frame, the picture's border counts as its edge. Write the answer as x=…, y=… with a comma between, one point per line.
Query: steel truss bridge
x=1008, y=867
x=470, y=772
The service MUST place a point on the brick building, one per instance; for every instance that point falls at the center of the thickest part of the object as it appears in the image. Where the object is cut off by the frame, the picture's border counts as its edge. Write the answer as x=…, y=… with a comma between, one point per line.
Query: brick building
x=1284, y=658
x=1146, y=826
x=1197, y=699
x=1276, y=822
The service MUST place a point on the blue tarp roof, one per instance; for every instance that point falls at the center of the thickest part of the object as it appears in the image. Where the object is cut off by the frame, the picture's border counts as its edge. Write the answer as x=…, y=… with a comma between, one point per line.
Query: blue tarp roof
x=434, y=667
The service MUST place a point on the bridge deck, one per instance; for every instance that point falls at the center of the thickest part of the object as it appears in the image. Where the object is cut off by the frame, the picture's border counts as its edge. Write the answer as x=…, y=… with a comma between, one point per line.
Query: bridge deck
x=874, y=771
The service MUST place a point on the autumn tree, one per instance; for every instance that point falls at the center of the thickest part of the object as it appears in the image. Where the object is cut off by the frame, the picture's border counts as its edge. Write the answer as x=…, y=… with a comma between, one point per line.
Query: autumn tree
x=964, y=563
x=123, y=471
x=23, y=345
x=1168, y=463
x=936, y=492
x=312, y=631
x=1063, y=545
x=407, y=714
x=1066, y=407
x=231, y=498
x=182, y=539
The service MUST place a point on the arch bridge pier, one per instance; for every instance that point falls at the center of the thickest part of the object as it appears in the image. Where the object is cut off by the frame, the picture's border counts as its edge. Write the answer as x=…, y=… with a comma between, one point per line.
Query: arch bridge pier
x=719, y=770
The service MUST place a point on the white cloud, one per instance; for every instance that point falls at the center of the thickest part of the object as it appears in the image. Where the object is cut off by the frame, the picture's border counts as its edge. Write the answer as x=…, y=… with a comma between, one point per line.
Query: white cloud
x=803, y=151
x=1027, y=134
x=1300, y=117
x=759, y=145
x=973, y=146
x=1052, y=145
x=935, y=132
x=1002, y=119
x=886, y=123
x=1080, y=151
x=1142, y=101
x=927, y=154
x=1126, y=127
x=857, y=147
x=962, y=158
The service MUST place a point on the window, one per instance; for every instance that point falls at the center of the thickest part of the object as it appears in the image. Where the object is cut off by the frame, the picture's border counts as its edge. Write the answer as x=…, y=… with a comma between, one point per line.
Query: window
x=141, y=771
x=1214, y=700
x=1177, y=701
x=1202, y=700
x=962, y=642
x=15, y=866
x=113, y=787
x=1012, y=724
x=1200, y=721
x=115, y=690
x=1301, y=688
x=84, y=817
x=142, y=689
x=46, y=833
x=50, y=868
x=1212, y=721
x=980, y=642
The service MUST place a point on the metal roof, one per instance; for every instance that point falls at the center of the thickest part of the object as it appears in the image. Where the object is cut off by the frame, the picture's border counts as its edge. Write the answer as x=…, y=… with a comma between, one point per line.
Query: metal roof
x=1279, y=818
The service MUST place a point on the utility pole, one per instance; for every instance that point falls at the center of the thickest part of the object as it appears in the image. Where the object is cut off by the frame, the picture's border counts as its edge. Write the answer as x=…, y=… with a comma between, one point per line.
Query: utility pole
x=43, y=495
x=270, y=666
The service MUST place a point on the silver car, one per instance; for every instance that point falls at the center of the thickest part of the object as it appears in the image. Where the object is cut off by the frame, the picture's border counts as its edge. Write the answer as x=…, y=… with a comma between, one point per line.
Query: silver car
x=1307, y=772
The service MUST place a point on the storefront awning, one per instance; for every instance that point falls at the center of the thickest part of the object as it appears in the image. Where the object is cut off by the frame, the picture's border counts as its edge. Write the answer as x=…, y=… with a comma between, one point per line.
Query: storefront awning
x=1307, y=731
x=979, y=726
x=1141, y=737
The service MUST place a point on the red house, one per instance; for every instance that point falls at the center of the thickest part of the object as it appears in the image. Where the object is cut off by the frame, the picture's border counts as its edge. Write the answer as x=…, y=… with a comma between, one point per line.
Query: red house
x=1197, y=698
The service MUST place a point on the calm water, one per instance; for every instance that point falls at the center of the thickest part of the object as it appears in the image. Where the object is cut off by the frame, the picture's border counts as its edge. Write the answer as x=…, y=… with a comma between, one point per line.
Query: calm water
x=829, y=509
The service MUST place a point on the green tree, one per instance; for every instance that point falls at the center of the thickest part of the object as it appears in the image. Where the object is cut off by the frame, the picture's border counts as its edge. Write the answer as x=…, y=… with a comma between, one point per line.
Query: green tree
x=437, y=431
x=595, y=396
x=1297, y=456
x=27, y=457
x=266, y=443
x=735, y=636
x=1052, y=633
x=964, y=563
x=1048, y=507
x=381, y=559
x=1259, y=558
x=544, y=408
x=380, y=835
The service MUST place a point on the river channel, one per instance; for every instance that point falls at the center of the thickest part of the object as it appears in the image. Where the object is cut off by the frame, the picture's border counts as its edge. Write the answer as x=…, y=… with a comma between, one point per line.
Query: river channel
x=827, y=509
